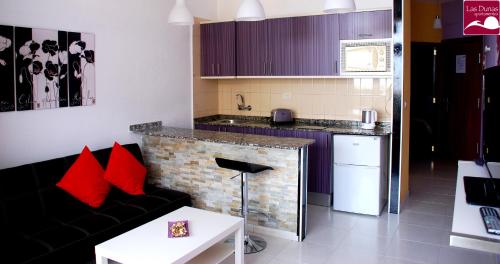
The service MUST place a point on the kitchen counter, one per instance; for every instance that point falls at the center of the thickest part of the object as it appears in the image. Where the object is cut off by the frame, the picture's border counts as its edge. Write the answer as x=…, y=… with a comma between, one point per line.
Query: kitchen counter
x=184, y=160
x=332, y=126
x=223, y=137
x=320, y=160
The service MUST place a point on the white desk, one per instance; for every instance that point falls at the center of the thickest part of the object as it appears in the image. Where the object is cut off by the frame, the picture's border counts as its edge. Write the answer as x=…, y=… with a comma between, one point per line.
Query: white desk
x=149, y=243
x=468, y=230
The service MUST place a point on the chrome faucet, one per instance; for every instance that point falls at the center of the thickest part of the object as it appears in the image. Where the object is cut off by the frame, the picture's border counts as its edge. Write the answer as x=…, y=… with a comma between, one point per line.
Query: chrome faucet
x=242, y=106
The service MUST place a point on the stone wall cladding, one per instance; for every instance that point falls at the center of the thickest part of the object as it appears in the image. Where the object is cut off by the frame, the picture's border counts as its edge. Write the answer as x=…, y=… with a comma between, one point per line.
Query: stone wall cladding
x=189, y=166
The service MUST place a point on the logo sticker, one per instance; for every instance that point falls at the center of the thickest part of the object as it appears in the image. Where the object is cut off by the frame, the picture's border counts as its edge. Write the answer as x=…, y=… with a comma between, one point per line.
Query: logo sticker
x=481, y=17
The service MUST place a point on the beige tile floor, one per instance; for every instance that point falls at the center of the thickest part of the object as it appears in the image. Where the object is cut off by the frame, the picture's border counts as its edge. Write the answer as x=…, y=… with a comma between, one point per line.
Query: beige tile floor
x=419, y=234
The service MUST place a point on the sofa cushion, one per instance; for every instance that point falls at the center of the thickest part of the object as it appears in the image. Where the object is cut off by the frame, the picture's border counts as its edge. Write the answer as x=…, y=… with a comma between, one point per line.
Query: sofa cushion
x=122, y=212
x=59, y=236
x=24, y=212
x=48, y=173
x=117, y=195
x=124, y=171
x=148, y=202
x=20, y=249
x=84, y=180
x=62, y=206
x=17, y=181
x=94, y=223
x=166, y=194
x=3, y=215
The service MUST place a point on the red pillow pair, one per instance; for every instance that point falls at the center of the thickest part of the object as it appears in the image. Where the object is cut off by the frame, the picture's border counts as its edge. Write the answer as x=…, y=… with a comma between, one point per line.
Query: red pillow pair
x=87, y=181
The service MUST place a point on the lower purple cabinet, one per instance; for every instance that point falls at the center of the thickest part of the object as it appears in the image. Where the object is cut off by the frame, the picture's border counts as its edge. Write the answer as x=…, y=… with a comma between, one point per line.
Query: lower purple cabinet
x=207, y=127
x=320, y=160
x=320, y=153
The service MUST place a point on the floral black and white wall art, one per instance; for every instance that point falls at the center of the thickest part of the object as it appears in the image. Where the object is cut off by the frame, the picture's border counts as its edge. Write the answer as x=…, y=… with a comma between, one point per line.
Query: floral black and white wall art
x=81, y=67
x=43, y=69
x=7, y=89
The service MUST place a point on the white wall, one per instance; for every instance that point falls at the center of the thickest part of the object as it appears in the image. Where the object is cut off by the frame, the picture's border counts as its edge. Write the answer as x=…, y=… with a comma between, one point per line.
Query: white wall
x=143, y=73
x=284, y=8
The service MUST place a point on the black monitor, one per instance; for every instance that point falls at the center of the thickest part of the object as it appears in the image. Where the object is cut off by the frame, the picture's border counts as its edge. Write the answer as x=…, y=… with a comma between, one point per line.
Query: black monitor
x=486, y=191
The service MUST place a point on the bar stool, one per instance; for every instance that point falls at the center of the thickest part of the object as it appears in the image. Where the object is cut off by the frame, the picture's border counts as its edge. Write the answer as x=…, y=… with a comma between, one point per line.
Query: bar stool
x=253, y=244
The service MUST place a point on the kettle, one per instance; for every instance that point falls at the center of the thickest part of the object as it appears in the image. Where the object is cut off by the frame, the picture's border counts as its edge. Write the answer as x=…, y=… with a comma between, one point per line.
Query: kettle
x=368, y=118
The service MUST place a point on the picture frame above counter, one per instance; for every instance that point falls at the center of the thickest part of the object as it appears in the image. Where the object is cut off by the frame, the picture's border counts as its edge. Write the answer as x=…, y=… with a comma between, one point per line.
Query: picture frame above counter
x=289, y=47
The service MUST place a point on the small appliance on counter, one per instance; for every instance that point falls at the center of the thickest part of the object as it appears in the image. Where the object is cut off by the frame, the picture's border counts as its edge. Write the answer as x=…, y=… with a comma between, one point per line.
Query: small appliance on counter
x=281, y=116
x=368, y=118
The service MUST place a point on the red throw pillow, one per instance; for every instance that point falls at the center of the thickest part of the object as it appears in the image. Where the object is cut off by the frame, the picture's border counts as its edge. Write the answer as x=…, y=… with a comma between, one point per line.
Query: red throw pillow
x=125, y=172
x=84, y=180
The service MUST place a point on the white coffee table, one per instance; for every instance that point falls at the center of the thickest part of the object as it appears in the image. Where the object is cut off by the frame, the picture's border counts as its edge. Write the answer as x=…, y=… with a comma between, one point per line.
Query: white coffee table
x=149, y=243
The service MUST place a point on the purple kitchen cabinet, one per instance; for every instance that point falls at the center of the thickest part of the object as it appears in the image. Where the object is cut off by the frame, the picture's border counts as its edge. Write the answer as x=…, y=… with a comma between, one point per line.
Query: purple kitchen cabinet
x=265, y=48
x=295, y=46
x=208, y=53
x=319, y=158
x=207, y=127
x=316, y=45
x=280, y=54
x=218, y=49
x=226, y=48
x=242, y=130
x=263, y=131
x=319, y=161
x=366, y=25
x=251, y=48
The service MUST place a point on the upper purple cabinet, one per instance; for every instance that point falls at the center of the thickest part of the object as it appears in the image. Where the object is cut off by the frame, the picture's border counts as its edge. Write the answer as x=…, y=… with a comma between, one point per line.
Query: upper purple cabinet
x=218, y=52
x=280, y=52
x=297, y=46
x=315, y=45
x=264, y=48
x=251, y=48
x=293, y=46
x=366, y=25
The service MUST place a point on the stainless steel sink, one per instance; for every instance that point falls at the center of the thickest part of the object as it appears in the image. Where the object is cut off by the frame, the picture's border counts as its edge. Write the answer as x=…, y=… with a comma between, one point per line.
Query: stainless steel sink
x=230, y=121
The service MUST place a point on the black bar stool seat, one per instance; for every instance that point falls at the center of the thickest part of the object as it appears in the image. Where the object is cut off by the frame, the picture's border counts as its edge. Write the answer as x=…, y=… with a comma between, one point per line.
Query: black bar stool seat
x=241, y=166
x=253, y=244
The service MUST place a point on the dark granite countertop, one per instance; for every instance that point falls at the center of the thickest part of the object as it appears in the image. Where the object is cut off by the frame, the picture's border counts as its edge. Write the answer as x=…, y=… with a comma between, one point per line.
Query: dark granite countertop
x=155, y=129
x=331, y=126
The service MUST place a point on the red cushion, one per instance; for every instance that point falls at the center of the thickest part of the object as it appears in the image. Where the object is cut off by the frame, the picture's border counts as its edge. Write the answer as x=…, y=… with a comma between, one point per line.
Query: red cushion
x=84, y=180
x=125, y=172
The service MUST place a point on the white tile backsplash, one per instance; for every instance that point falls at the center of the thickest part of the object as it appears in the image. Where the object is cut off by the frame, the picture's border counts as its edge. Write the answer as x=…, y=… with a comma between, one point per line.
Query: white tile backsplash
x=341, y=99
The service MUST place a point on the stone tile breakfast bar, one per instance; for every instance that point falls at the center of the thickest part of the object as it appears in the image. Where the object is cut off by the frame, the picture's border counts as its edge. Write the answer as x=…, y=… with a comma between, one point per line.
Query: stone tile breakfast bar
x=184, y=160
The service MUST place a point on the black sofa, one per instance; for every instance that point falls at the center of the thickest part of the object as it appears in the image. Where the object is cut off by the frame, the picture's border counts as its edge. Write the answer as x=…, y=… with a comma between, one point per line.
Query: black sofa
x=41, y=223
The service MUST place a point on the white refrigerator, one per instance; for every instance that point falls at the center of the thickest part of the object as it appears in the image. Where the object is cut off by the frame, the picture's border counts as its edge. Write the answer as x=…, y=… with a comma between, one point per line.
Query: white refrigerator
x=360, y=173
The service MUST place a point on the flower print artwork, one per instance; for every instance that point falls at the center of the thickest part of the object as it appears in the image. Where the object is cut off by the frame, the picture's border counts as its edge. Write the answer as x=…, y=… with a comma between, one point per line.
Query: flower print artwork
x=4, y=44
x=40, y=69
x=81, y=69
x=30, y=61
x=7, y=87
x=45, y=69
x=50, y=46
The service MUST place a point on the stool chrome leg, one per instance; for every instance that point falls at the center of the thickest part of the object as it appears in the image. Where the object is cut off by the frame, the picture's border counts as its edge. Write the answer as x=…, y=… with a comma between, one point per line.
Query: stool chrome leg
x=253, y=244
